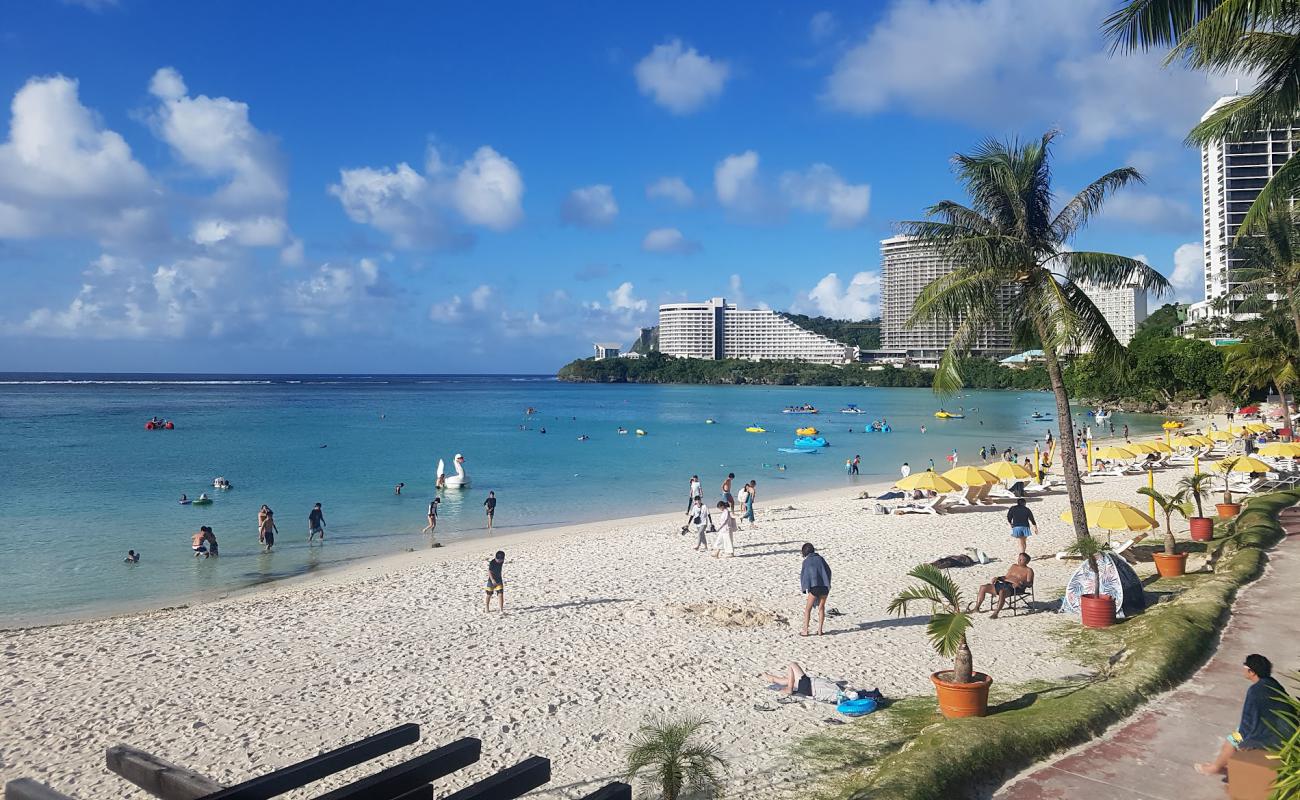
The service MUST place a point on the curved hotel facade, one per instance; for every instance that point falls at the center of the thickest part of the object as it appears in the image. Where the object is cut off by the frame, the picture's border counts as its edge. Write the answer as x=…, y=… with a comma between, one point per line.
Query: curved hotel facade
x=713, y=329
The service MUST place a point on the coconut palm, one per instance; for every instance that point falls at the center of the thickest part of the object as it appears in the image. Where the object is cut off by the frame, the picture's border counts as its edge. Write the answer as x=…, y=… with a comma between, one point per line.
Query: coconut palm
x=948, y=621
x=1255, y=37
x=1271, y=273
x=667, y=759
x=1014, y=266
x=1197, y=486
x=1225, y=466
x=1169, y=504
x=1268, y=356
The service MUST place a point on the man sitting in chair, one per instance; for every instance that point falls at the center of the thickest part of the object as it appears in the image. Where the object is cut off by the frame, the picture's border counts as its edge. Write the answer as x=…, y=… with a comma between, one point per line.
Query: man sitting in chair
x=1018, y=577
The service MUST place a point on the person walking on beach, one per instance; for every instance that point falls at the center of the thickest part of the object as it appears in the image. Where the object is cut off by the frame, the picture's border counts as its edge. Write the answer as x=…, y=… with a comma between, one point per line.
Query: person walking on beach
x=495, y=583
x=316, y=523
x=726, y=491
x=724, y=542
x=815, y=583
x=432, y=515
x=751, y=491
x=1021, y=519
x=490, y=506
x=697, y=492
x=905, y=470
x=698, y=519
x=266, y=529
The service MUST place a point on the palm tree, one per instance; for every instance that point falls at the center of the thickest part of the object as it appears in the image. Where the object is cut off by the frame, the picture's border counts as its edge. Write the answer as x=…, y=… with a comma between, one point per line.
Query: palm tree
x=1268, y=356
x=1197, y=486
x=948, y=622
x=1256, y=37
x=1169, y=505
x=662, y=751
x=1014, y=266
x=1271, y=272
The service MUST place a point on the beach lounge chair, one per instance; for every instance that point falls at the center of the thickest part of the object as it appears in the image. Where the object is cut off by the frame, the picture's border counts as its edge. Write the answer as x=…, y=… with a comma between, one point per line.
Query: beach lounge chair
x=932, y=505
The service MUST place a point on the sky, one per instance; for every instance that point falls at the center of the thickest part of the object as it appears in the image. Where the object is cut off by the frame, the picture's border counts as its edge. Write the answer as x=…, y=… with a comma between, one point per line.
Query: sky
x=411, y=187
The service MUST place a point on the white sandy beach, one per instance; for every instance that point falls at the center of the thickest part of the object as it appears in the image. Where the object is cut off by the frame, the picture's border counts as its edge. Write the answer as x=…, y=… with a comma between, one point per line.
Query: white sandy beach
x=594, y=639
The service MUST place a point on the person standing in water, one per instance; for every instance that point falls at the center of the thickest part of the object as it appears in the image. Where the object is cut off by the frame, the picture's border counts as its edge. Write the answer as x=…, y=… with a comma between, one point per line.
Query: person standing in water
x=211, y=539
x=495, y=583
x=490, y=506
x=316, y=523
x=266, y=529
x=432, y=515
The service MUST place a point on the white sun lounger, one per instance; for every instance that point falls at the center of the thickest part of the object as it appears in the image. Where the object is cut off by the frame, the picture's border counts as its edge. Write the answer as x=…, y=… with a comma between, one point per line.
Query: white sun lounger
x=933, y=505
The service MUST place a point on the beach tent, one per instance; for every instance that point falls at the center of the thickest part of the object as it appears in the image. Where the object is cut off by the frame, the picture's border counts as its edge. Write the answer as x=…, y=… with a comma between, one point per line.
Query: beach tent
x=1117, y=580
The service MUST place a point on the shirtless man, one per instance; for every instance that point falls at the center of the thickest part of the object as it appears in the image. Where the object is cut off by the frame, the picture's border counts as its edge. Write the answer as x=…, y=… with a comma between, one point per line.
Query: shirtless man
x=726, y=491
x=199, y=543
x=1017, y=578
x=266, y=529
x=316, y=523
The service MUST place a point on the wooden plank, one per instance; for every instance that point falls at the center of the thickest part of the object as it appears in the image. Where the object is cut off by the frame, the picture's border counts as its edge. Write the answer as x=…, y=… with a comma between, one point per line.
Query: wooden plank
x=614, y=791
x=28, y=789
x=158, y=777
x=313, y=769
x=408, y=776
x=510, y=783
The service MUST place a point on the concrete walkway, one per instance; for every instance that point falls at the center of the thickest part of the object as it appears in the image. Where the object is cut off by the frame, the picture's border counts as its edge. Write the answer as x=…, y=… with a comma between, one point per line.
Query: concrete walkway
x=1150, y=755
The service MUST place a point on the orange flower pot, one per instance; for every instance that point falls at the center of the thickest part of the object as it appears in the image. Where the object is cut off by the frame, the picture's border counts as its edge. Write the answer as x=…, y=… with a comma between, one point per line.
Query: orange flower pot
x=1228, y=510
x=1202, y=529
x=962, y=699
x=1170, y=566
x=1097, y=610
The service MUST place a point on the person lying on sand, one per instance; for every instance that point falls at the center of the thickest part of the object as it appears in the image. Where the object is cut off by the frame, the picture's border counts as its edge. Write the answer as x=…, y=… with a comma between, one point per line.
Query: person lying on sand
x=1017, y=577
x=798, y=683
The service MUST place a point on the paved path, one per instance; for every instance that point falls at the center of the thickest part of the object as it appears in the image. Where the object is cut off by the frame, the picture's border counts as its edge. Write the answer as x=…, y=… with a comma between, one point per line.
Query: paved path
x=1150, y=755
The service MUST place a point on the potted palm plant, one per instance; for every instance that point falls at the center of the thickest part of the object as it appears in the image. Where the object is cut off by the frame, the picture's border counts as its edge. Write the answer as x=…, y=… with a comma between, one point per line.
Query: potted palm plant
x=1170, y=564
x=671, y=764
x=962, y=691
x=1197, y=487
x=1227, y=509
x=1096, y=610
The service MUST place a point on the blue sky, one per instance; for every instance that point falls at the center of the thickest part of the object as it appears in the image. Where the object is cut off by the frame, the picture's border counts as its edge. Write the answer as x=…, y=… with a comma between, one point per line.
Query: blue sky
x=414, y=187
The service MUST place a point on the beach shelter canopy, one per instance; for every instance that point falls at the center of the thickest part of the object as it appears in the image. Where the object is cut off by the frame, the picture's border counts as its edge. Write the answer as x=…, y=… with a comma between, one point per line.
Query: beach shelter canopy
x=1140, y=447
x=1246, y=464
x=1258, y=427
x=970, y=476
x=1220, y=436
x=1248, y=410
x=928, y=480
x=1008, y=471
x=1159, y=447
x=1190, y=441
x=1112, y=515
x=1112, y=452
x=1281, y=449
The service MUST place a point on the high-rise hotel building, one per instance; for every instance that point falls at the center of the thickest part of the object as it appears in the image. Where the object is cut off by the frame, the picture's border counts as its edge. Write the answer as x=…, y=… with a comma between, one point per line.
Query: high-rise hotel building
x=713, y=329
x=907, y=266
x=1232, y=173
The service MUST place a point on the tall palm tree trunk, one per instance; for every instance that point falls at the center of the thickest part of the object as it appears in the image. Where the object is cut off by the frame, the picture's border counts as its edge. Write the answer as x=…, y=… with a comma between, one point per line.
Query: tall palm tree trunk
x=1065, y=424
x=1286, y=407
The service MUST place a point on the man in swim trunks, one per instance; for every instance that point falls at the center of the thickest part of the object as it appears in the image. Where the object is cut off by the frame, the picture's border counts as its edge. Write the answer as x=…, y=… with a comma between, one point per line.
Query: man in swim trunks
x=316, y=523
x=266, y=530
x=726, y=491
x=1018, y=577
x=1022, y=522
x=199, y=544
x=490, y=506
x=495, y=583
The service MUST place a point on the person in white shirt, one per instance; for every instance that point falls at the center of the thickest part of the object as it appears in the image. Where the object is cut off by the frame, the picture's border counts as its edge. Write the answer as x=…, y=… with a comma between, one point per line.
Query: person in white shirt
x=906, y=469
x=723, y=542
x=698, y=518
x=697, y=491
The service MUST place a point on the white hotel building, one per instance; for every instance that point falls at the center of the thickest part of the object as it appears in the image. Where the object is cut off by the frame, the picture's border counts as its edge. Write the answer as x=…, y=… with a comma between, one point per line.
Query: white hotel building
x=1124, y=308
x=1232, y=173
x=713, y=329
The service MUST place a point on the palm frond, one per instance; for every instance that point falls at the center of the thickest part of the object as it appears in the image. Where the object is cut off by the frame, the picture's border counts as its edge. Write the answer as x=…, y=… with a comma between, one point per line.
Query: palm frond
x=1110, y=271
x=1088, y=202
x=1142, y=25
x=1284, y=185
x=947, y=631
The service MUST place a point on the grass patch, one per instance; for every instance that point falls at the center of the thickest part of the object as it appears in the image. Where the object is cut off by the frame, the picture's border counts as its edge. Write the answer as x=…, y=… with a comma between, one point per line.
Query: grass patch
x=909, y=752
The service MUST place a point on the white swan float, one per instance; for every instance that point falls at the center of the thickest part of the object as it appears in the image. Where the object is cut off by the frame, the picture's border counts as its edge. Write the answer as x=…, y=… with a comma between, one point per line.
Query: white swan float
x=458, y=481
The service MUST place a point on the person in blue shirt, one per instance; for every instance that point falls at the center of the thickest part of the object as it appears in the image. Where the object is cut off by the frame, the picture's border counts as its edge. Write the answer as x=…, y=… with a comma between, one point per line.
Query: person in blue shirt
x=1264, y=724
x=815, y=582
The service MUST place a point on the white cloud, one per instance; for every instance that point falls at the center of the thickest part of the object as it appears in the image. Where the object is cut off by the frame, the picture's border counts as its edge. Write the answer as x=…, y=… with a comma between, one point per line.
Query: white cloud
x=1149, y=211
x=1030, y=61
x=859, y=300
x=735, y=182
x=736, y=293
x=1188, y=276
x=590, y=206
x=671, y=188
x=822, y=26
x=293, y=253
x=668, y=240
x=62, y=173
x=340, y=297
x=679, y=78
x=821, y=190
x=413, y=207
x=622, y=299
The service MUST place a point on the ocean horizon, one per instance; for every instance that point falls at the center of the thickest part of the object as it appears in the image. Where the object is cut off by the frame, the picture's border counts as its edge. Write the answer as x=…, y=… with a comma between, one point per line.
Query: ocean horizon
x=82, y=480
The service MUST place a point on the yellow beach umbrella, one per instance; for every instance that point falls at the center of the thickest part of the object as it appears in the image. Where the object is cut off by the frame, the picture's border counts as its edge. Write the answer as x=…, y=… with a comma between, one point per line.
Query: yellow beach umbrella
x=1258, y=427
x=1190, y=441
x=1159, y=447
x=1281, y=449
x=1112, y=515
x=970, y=476
x=1140, y=447
x=1245, y=464
x=1220, y=436
x=1008, y=471
x=1113, y=452
x=928, y=480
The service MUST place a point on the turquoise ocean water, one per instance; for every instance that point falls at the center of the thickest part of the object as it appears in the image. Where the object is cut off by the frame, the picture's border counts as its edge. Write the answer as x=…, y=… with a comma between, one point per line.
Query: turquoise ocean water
x=82, y=481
